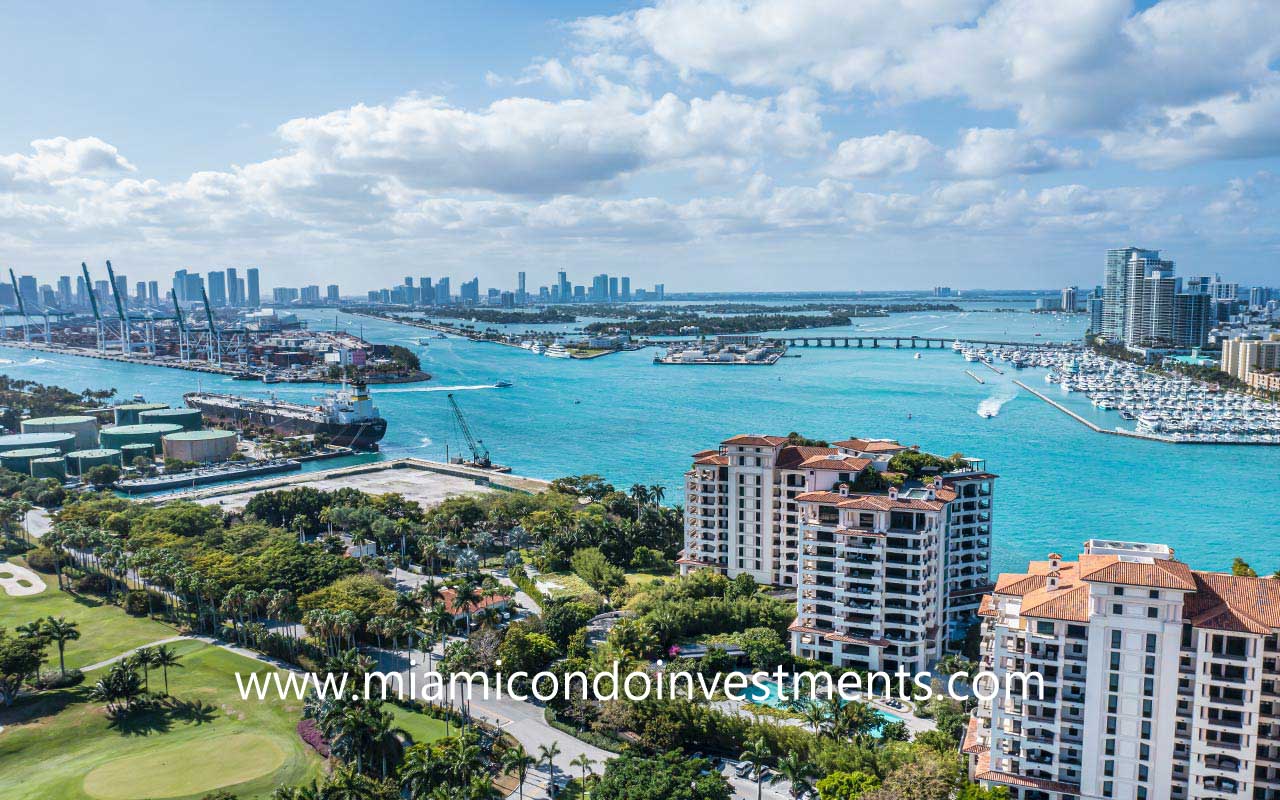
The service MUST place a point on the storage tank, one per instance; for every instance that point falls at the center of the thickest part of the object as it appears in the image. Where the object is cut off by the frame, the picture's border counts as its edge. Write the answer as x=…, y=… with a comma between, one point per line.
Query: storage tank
x=200, y=446
x=188, y=418
x=120, y=435
x=81, y=461
x=127, y=414
x=85, y=429
x=54, y=467
x=65, y=442
x=129, y=452
x=20, y=460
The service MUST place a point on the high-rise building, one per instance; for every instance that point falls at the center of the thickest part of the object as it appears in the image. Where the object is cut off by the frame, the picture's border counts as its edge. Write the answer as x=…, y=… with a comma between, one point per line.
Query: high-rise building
x=331, y=293
x=626, y=290
x=660, y=291
x=8, y=297
x=235, y=289
x=82, y=292
x=1071, y=299
x=426, y=292
x=64, y=291
x=140, y=293
x=600, y=288
x=153, y=292
x=1244, y=355
x=1149, y=305
x=1115, y=287
x=444, y=294
x=613, y=290
x=1160, y=682
x=469, y=292
x=180, y=286
x=520, y=284
x=29, y=290
x=942, y=291
x=217, y=288
x=310, y=295
x=283, y=295
x=252, y=298
x=566, y=292
x=885, y=572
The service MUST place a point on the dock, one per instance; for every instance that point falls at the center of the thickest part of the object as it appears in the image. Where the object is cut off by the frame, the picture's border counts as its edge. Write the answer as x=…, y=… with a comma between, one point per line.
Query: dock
x=977, y=378
x=1151, y=437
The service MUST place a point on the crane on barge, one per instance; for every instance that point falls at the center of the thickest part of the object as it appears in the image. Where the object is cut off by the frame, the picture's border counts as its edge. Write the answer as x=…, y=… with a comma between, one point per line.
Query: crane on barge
x=479, y=453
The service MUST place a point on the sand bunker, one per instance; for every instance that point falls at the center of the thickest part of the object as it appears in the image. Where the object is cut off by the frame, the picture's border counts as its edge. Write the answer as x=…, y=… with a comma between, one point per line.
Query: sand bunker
x=19, y=581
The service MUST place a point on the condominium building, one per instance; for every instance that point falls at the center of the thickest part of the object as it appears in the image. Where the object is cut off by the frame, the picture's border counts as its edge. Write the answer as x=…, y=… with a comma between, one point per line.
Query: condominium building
x=1243, y=355
x=1160, y=682
x=887, y=567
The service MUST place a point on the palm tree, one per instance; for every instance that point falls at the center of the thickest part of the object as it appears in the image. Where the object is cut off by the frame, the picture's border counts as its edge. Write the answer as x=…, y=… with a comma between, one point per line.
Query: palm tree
x=164, y=657
x=583, y=762
x=795, y=769
x=465, y=598
x=639, y=493
x=144, y=657
x=656, y=494
x=547, y=754
x=517, y=761
x=305, y=792
x=757, y=754
x=61, y=631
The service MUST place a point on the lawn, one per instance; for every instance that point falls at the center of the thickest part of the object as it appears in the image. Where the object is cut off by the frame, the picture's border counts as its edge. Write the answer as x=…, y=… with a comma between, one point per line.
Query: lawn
x=420, y=726
x=62, y=745
x=645, y=578
x=105, y=630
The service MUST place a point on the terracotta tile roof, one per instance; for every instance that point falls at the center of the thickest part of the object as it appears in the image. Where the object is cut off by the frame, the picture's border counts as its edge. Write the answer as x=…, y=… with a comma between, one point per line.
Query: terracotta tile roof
x=977, y=476
x=984, y=772
x=755, y=440
x=1157, y=574
x=713, y=459
x=1070, y=603
x=1234, y=603
x=484, y=602
x=869, y=502
x=838, y=464
x=832, y=636
x=971, y=745
x=792, y=456
x=872, y=445
x=987, y=608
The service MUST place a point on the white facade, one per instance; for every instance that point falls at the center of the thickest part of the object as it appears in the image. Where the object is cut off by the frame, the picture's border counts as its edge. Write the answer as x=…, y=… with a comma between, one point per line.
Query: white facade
x=883, y=577
x=1160, y=681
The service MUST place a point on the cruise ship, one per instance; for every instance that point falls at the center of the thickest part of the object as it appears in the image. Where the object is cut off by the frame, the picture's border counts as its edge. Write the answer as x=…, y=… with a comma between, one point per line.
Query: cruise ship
x=346, y=417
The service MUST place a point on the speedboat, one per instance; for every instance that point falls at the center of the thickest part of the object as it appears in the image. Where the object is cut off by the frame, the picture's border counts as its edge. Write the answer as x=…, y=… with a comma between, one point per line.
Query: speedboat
x=423, y=341
x=503, y=384
x=917, y=355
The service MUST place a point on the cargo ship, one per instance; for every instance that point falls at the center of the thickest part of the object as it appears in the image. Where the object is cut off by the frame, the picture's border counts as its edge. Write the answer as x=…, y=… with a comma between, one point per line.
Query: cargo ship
x=345, y=417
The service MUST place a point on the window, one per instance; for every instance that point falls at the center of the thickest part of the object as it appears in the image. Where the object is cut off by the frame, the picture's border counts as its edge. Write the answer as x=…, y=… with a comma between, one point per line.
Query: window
x=1110, y=747
x=1113, y=703
x=1109, y=768
x=1111, y=726
x=1142, y=772
x=1154, y=594
x=1146, y=729
x=1115, y=661
x=1115, y=638
x=1107, y=790
x=1148, y=686
x=1151, y=642
x=1114, y=683
x=1118, y=591
x=1044, y=628
x=1146, y=708
x=1153, y=612
x=1144, y=752
x=1150, y=666
x=1117, y=609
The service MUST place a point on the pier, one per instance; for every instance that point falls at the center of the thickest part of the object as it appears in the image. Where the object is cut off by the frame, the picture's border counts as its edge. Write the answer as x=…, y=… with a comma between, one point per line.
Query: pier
x=875, y=342
x=1151, y=437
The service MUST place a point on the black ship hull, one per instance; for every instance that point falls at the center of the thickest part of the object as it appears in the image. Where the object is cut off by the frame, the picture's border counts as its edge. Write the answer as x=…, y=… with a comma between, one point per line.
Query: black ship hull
x=358, y=435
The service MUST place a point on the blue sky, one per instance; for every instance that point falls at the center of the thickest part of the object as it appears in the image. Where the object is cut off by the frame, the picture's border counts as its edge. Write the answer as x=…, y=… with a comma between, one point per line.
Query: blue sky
x=707, y=144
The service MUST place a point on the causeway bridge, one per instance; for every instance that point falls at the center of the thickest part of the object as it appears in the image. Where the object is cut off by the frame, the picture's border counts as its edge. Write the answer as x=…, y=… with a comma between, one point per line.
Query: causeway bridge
x=894, y=342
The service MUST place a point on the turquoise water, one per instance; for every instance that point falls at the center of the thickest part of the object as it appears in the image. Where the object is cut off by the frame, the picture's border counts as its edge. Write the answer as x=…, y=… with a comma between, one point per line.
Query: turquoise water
x=631, y=421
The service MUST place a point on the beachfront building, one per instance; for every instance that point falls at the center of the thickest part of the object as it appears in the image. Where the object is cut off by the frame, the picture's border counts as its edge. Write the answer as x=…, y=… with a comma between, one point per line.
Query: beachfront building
x=887, y=566
x=1161, y=683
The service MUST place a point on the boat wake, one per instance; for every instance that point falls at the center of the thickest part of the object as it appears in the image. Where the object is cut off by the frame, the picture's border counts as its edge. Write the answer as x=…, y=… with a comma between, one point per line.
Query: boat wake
x=940, y=327
x=408, y=389
x=991, y=406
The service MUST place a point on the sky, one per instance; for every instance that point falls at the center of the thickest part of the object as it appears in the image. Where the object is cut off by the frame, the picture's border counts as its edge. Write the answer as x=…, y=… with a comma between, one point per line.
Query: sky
x=705, y=144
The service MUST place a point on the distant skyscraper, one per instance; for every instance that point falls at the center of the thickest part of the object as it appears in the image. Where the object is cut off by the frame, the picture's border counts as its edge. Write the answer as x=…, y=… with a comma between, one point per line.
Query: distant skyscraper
x=235, y=289
x=253, y=300
x=566, y=292
x=600, y=288
x=660, y=289
x=1070, y=299
x=331, y=293
x=7, y=296
x=469, y=292
x=311, y=294
x=520, y=293
x=140, y=293
x=613, y=290
x=626, y=290
x=443, y=293
x=180, y=286
x=82, y=293
x=153, y=292
x=29, y=289
x=1116, y=285
x=64, y=291
x=217, y=288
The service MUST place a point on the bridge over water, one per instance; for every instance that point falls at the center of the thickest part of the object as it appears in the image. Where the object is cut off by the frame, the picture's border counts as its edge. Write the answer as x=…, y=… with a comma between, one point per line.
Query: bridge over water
x=895, y=342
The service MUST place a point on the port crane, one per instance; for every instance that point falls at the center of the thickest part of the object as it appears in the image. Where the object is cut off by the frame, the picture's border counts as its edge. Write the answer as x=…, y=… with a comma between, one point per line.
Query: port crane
x=479, y=453
x=22, y=311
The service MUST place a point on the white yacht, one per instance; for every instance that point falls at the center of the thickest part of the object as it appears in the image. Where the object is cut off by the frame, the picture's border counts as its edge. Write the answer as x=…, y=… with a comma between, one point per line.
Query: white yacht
x=558, y=350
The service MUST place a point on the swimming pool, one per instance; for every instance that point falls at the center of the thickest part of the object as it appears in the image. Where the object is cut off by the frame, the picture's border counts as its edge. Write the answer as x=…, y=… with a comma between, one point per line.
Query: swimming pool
x=770, y=694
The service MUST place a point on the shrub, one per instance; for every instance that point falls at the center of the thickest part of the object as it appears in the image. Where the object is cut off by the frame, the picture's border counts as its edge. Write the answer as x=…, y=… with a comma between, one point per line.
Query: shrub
x=42, y=559
x=56, y=680
x=93, y=583
x=136, y=603
x=591, y=565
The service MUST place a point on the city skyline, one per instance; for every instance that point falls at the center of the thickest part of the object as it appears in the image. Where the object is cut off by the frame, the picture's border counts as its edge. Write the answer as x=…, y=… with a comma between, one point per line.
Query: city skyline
x=789, y=147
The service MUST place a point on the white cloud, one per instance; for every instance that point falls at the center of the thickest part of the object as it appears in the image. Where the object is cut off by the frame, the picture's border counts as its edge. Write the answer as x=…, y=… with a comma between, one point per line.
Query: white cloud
x=993, y=152
x=1083, y=66
x=874, y=156
x=61, y=159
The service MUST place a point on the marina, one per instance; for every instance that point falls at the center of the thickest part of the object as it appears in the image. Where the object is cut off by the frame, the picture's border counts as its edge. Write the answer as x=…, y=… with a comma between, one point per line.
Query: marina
x=612, y=420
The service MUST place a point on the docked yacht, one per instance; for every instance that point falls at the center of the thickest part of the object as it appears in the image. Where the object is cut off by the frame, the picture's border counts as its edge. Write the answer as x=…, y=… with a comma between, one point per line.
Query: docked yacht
x=558, y=350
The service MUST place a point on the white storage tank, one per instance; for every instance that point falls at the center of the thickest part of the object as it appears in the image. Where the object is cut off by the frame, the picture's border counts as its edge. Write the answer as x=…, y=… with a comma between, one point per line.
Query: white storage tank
x=200, y=446
x=84, y=428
